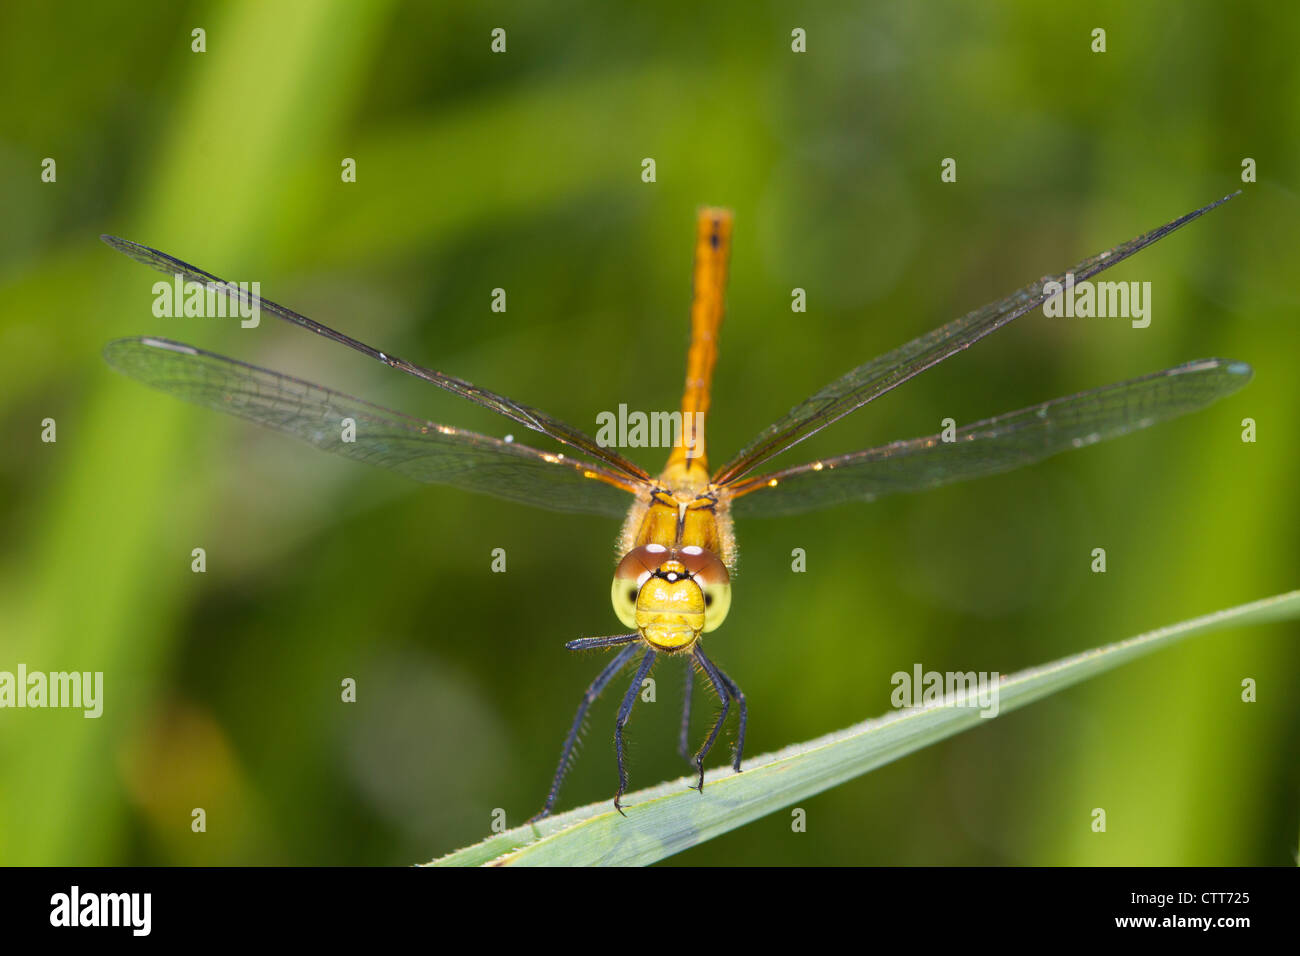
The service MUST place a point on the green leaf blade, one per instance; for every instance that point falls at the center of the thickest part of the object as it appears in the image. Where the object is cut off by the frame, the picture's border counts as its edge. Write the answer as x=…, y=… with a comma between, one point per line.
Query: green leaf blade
x=668, y=818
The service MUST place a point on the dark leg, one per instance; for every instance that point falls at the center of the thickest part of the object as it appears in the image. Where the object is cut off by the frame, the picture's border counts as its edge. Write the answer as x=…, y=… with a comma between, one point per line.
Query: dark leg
x=744, y=716
x=724, y=694
x=596, y=643
x=624, y=713
x=603, y=678
x=684, y=739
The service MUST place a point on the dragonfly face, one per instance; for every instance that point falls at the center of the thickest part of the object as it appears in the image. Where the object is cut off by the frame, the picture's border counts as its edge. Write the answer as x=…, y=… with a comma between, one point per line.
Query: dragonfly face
x=673, y=585
x=671, y=596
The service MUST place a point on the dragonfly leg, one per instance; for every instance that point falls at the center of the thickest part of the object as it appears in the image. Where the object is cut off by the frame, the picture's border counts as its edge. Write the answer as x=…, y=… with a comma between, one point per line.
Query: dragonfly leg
x=684, y=738
x=597, y=643
x=624, y=712
x=739, y=696
x=720, y=687
x=598, y=685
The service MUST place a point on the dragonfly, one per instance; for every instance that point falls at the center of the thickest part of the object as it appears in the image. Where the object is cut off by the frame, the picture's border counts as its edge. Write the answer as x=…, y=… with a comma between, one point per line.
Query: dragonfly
x=672, y=585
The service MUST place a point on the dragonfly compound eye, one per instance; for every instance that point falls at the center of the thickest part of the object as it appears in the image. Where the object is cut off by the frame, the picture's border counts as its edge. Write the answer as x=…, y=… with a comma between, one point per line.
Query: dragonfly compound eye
x=632, y=572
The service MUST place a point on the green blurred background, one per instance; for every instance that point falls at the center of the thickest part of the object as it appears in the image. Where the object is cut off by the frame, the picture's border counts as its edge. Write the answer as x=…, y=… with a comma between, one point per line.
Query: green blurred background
x=522, y=171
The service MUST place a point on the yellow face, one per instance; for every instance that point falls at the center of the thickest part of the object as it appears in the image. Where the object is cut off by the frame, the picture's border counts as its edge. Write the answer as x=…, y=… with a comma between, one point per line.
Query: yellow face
x=671, y=595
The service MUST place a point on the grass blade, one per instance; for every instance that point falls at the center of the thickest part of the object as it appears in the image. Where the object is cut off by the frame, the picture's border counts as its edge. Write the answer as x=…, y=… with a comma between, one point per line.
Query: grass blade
x=668, y=818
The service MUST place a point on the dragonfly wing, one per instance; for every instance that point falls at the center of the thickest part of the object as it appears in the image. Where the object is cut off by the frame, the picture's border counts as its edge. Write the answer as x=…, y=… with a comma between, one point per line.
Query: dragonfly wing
x=418, y=449
x=524, y=415
x=866, y=382
x=995, y=444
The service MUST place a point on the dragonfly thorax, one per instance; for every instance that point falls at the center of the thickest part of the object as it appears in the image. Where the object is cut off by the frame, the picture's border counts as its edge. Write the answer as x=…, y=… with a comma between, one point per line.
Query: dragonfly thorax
x=671, y=595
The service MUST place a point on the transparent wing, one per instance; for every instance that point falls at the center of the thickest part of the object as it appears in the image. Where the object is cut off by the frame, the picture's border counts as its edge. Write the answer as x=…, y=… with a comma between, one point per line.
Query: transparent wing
x=528, y=417
x=418, y=449
x=995, y=444
x=866, y=382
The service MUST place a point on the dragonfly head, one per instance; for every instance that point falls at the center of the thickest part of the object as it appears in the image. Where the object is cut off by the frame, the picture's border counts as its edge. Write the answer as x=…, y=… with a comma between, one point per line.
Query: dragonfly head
x=671, y=595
